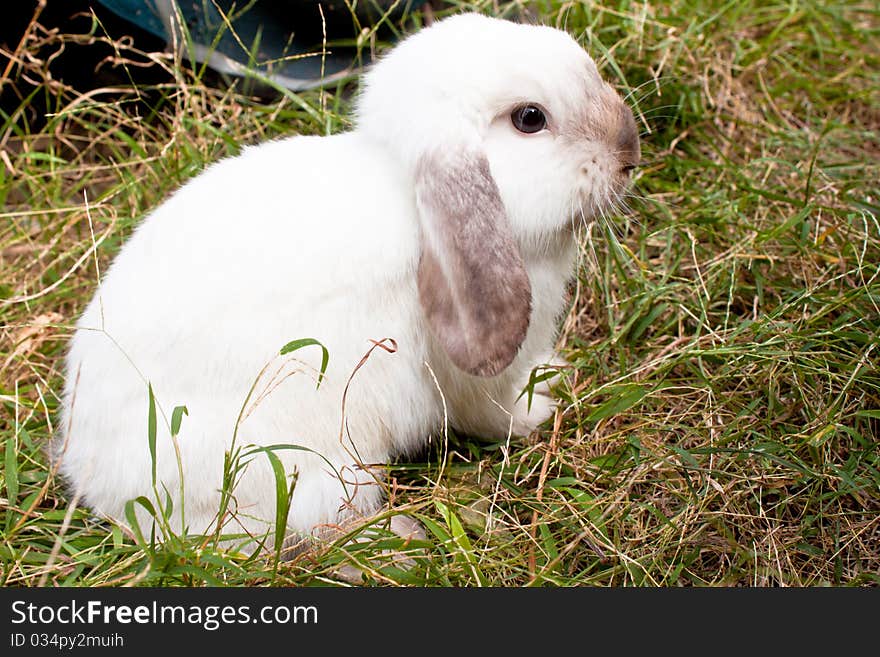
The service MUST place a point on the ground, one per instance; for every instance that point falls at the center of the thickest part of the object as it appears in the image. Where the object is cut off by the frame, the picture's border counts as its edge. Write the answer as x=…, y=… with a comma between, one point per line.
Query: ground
x=719, y=424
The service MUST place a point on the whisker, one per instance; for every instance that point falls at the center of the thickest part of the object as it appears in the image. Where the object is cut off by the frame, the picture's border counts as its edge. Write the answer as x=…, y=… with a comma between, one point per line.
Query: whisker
x=636, y=89
x=658, y=84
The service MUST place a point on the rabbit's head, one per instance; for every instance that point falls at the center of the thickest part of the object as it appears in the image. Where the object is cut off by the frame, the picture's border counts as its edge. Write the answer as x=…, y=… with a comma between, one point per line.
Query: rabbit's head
x=511, y=138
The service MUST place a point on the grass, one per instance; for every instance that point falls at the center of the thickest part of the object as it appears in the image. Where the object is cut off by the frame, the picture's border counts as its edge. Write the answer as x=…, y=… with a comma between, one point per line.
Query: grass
x=719, y=425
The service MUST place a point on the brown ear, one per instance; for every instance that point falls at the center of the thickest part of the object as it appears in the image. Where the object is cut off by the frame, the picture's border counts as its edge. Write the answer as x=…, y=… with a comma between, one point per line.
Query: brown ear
x=472, y=282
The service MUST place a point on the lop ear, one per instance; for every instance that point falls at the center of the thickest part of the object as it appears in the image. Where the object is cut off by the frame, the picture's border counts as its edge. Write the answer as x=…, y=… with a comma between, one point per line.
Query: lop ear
x=473, y=285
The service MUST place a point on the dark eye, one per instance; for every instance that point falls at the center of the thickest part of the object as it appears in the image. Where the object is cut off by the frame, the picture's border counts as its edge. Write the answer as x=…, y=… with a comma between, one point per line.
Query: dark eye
x=528, y=119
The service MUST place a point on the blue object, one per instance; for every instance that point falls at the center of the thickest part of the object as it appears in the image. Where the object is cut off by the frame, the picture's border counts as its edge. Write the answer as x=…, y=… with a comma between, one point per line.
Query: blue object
x=280, y=40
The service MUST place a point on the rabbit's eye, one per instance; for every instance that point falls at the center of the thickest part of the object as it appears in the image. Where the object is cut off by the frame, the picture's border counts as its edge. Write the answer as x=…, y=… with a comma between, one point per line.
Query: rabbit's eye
x=528, y=119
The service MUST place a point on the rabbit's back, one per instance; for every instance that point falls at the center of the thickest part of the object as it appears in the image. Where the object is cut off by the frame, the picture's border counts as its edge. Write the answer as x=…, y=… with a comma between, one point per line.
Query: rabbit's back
x=300, y=238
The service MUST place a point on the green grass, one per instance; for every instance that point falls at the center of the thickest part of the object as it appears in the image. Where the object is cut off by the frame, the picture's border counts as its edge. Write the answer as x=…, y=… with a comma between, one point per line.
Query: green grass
x=719, y=426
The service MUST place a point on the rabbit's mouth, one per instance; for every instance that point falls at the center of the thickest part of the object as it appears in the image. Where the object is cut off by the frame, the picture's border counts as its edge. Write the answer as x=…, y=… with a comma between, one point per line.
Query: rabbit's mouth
x=602, y=200
x=608, y=153
x=604, y=196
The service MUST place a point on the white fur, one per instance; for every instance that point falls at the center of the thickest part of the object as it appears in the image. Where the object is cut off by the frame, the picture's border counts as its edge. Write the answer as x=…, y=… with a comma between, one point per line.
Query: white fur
x=314, y=237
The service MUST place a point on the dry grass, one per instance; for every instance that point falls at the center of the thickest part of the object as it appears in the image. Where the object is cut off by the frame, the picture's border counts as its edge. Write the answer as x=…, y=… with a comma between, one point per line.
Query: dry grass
x=719, y=423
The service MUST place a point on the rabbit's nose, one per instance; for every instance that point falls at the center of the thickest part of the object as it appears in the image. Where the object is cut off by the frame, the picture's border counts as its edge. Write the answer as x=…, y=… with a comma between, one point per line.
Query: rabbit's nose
x=627, y=139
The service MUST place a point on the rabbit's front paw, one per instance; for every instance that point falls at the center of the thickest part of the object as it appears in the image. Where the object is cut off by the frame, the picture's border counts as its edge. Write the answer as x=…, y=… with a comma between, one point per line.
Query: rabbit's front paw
x=527, y=417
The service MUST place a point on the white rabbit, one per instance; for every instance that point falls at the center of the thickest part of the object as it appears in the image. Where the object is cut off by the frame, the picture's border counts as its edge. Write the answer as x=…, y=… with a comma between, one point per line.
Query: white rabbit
x=444, y=221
